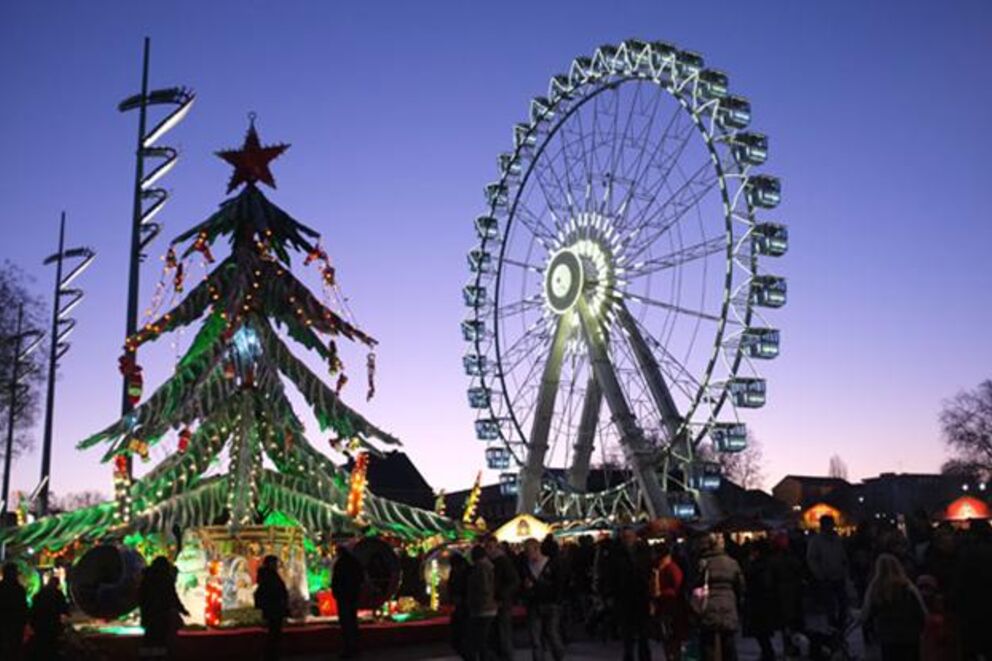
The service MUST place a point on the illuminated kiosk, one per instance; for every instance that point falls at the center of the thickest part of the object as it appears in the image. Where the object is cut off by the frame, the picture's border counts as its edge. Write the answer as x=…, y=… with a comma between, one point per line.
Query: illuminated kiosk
x=616, y=292
x=230, y=449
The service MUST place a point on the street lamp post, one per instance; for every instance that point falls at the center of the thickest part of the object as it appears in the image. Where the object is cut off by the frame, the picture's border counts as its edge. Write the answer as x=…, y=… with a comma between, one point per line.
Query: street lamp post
x=65, y=300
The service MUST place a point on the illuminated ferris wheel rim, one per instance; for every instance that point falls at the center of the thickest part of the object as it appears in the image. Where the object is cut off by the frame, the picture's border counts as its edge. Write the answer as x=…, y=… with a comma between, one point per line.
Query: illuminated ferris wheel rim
x=610, y=68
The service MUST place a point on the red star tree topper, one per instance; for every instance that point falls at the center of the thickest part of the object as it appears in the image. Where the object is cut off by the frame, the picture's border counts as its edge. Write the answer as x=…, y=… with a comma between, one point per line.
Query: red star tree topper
x=251, y=162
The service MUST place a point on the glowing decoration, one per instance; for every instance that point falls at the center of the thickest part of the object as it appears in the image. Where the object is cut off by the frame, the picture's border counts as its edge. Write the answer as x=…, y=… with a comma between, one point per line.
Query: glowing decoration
x=202, y=246
x=811, y=517
x=966, y=508
x=521, y=527
x=435, y=586
x=326, y=605
x=439, y=504
x=212, y=613
x=357, y=485
x=472, y=500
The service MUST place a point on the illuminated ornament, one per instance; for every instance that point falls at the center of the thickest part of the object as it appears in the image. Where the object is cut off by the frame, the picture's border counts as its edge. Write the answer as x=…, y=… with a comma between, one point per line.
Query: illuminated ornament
x=120, y=465
x=356, y=486
x=135, y=386
x=171, y=261
x=139, y=447
x=212, y=611
x=185, y=435
x=472, y=500
x=328, y=275
x=355, y=444
x=178, y=279
x=439, y=505
x=370, y=368
x=316, y=254
x=202, y=246
x=435, y=585
x=333, y=359
x=335, y=444
x=251, y=162
x=342, y=380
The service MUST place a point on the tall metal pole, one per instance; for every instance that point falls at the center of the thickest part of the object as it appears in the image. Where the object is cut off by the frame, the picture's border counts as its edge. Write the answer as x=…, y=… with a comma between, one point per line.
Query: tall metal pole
x=46, y=444
x=12, y=411
x=131, y=325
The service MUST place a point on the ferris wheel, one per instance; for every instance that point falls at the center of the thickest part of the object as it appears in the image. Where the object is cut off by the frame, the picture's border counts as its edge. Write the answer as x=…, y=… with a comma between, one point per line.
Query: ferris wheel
x=618, y=290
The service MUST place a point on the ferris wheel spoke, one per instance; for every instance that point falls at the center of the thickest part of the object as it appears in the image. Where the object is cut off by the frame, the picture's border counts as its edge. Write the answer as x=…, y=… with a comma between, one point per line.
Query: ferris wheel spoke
x=519, y=307
x=683, y=132
x=674, y=308
x=537, y=445
x=525, y=345
x=592, y=402
x=533, y=222
x=673, y=209
x=641, y=166
x=642, y=457
x=682, y=256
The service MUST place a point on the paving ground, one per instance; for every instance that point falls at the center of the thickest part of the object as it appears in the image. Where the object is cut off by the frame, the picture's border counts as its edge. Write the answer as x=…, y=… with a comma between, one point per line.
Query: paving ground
x=576, y=651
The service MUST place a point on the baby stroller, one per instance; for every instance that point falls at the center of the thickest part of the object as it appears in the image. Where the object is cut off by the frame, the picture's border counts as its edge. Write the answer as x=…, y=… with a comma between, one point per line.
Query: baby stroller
x=828, y=645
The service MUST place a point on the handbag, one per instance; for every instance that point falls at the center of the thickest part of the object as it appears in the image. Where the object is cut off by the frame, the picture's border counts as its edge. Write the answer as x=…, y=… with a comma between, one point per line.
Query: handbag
x=700, y=594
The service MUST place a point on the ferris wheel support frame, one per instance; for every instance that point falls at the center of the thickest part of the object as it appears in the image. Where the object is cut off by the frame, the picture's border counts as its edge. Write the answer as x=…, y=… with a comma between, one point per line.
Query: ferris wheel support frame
x=592, y=402
x=640, y=456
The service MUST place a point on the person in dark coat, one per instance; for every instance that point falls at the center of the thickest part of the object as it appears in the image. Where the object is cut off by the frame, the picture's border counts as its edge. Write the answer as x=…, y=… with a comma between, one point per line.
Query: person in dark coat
x=458, y=596
x=630, y=590
x=272, y=598
x=46, y=615
x=161, y=609
x=482, y=603
x=719, y=621
x=543, y=593
x=787, y=571
x=346, y=586
x=970, y=598
x=507, y=585
x=13, y=613
x=896, y=608
x=761, y=603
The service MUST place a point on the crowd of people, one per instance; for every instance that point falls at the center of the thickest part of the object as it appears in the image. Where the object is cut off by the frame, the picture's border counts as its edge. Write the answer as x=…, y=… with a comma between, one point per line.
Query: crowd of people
x=913, y=592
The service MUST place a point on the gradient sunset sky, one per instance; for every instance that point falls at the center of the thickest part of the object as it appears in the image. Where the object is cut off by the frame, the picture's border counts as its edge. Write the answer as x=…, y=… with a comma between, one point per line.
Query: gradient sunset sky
x=878, y=119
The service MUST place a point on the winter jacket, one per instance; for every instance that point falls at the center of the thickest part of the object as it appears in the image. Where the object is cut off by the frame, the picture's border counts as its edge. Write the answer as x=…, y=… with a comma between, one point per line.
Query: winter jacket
x=482, y=589
x=898, y=620
x=826, y=557
x=726, y=586
x=507, y=580
x=271, y=595
x=546, y=586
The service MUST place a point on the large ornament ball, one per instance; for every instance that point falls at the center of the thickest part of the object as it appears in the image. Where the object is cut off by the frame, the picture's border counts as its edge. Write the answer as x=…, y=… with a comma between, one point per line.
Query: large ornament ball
x=105, y=581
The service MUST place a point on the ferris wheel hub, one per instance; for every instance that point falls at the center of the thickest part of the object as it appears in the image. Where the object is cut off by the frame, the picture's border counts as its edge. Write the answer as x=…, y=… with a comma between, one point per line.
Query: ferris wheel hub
x=564, y=281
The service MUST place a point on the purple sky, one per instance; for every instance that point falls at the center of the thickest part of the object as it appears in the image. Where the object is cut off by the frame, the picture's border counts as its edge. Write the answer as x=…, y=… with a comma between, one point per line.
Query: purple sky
x=877, y=116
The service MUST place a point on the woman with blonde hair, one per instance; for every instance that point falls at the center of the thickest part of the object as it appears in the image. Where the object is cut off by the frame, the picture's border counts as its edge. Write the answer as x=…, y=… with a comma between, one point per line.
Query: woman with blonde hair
x=896, y=608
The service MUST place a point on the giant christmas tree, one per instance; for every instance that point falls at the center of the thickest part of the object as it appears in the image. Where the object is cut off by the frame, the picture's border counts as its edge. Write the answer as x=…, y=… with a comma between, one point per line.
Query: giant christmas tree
x=227, y=393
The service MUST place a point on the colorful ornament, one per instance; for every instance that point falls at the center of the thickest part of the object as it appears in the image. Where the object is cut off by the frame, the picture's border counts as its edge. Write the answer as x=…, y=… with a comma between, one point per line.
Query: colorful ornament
x=329, y=276
x=212, y=611
x=135, y=386
x=202, y=246
x=229, y=371
x=185, y=435
x=171, y=261
x=120, y=464
x=316, y=254
x=472, y=500
x=439, y=505
x=178, y=279
x=357, y=484
x=370, y=368
x=342, y=380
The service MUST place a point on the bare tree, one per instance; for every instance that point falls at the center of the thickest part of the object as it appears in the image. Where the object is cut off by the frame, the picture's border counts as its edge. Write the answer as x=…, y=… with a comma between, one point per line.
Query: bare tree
x=744, y=468
x=78, y=500
x=14, y=292
x=838, y=467
x=966, y=423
